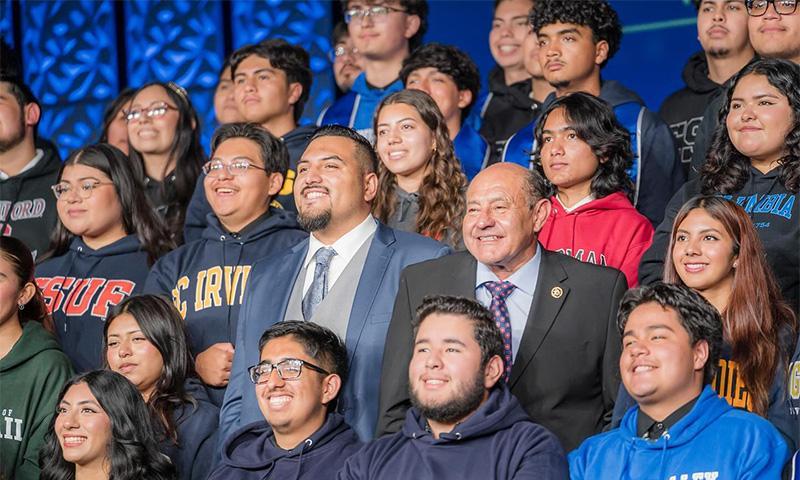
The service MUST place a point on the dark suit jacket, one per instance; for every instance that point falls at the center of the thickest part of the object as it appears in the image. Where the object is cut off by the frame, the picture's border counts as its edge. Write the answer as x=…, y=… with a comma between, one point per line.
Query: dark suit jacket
x=267, y=296
x=566, y=372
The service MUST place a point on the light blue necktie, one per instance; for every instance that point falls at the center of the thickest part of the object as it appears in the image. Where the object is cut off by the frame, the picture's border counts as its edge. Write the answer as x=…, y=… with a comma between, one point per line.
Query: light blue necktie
x=319, y=286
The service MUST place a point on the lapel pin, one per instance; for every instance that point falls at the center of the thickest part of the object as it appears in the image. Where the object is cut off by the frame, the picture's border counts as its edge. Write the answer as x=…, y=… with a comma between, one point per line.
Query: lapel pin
x=556, y=292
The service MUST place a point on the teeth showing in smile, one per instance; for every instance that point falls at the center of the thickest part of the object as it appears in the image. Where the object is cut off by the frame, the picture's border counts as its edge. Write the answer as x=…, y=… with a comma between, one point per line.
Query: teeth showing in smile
x=642, y=368
x=312, y=195
x=488, y=238
x=394, y=155
x=225, y=191
x=279, y=401
x=72, y=441
x=434, y=382
x=507, y=48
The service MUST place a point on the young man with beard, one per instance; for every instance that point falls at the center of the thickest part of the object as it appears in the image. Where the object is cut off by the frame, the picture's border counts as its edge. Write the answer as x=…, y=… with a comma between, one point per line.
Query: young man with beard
x=28, y=168
x=384, y=32
x=463, y=419
x=722, y=31
x=300, y=374
x=271, y=83
x=344, y=277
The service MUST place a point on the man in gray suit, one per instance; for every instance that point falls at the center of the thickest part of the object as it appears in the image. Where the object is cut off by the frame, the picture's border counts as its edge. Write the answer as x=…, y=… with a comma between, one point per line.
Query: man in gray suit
x=557, y=314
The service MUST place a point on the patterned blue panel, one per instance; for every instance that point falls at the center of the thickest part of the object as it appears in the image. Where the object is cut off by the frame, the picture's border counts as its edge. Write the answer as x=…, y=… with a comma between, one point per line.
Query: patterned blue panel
x=304, y=23
x=70, y=63
x=179, y=41
x=6, y=27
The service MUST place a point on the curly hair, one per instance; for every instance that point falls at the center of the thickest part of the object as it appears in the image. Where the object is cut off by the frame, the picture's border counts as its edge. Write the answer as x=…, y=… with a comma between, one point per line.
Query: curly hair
x=441, y=197
x=756, y=313
x=595, y=123
x=132, y=451
x=726, y=170
x=448, y=60
x=597, y=15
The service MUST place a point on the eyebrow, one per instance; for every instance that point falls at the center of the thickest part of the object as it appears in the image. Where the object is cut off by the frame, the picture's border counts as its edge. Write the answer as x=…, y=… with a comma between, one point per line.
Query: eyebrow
x=384, y=124
x=515, y=17
x=568, y=30
x=139, y=330
x=551, y=131
x=446, y=340
x=81, y=179
x=650, y=328
x=758, y=97
x=265, y=69
x=82, y=402
x=237, y=157
x=322, y=159
x=705, y=230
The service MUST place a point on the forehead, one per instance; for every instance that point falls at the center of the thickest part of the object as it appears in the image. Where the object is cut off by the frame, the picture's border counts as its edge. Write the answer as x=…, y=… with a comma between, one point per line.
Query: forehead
x=123, y=322
x=755, y=84
x=557, y=118
x=650, y=314
x=513, y=8
x=427, y=72
x=553, y=29
x=153, y=93
x=699, y=218
x=78, y=393
x=495, y=185
x=398, y=110
x=438, y=327
x=287, y=346
x=327, y=146
x=78, y=170
x=238, y=146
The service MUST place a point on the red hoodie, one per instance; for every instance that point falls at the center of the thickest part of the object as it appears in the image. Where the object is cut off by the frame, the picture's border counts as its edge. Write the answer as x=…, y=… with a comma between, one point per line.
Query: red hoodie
x=606, y=231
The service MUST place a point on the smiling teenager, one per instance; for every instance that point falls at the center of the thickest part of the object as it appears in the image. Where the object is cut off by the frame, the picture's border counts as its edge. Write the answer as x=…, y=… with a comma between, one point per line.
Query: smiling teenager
x=105, y=241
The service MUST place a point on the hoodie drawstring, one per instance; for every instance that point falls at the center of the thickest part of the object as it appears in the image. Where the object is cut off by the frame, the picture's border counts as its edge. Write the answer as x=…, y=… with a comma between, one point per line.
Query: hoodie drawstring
x=307, y=443
x=626, y=463
x=662, y=464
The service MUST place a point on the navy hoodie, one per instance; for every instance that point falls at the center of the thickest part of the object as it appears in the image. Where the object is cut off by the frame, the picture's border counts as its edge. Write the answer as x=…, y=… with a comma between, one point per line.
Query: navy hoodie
x=196, y=428
x=206, y=278
x=81, y=286
x=498, y=441
x=252, y=454
x=197, y=212
x=774, y=211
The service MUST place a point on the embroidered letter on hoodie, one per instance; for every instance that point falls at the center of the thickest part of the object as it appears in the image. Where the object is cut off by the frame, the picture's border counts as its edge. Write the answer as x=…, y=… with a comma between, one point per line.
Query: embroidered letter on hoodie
x=75, y=296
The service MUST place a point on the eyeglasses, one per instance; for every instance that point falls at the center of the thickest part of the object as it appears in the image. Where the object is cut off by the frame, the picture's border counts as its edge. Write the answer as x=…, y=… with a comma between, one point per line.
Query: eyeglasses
x=237, y=167
x=288, y=369
x=377, y=12
x=84, y=190
x=757, y=8
x=341, y=51
x=158, y=110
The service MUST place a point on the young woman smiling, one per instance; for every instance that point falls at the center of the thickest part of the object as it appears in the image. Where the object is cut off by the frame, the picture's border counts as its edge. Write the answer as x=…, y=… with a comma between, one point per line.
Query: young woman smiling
x=106, y=238
x=145, y=341
x=421, y=186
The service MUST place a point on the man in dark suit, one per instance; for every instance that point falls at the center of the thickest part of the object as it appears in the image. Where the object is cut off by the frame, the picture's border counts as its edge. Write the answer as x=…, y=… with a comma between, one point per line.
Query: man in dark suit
x=344, y=277
x=558, y=314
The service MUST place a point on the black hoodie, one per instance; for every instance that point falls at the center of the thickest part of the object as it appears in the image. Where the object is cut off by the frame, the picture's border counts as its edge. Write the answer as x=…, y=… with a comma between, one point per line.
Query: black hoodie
x=509, y=108
x=27, y=204
x=683, y=110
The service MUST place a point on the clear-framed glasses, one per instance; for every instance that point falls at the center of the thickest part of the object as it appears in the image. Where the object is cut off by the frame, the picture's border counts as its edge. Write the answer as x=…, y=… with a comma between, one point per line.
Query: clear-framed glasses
x=341, y=51
x=377, y=12
x=757, y=8
x=288, y=369
x=238, y=166
x=153, y=111
x=84, y=189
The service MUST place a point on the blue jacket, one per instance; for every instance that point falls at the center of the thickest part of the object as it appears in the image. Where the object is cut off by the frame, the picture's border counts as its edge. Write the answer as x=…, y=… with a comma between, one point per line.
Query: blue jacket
x=251, y=453
x=356, y=108
x=498, y=441
x=196, y=427
x=217, y=268
x=472, y=151
x=713, y=437
x=265, y=304
x=657, y=172
x=197, y=212
x=80, y=288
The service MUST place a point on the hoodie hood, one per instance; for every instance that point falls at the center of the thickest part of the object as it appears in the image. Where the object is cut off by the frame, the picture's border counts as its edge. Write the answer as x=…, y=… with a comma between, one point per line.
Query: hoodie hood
x=499, y=412
x=695, y=74
x=517, y=94
x=298, y=138
x=127, y=244
x=615, y=93
x=275, y=220
x=614, y=201
x=35, y=340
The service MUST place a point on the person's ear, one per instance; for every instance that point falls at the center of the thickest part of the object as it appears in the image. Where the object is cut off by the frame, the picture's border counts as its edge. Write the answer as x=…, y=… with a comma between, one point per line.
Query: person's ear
x=26, y=293
x=31, y=114
x=464, y=98
x=540, y=212
x=600, y=52
x=275, y=183
x=331, y=386
x=295, y=92
x=700, y=353
x=370, y=186
x=493, y=371
x=413, y=22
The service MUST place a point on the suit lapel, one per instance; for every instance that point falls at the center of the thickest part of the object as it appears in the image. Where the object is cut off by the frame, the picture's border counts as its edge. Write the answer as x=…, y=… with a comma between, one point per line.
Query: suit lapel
x=551, y=292
x=288, y=267
x=463, y=276
x=375, y=266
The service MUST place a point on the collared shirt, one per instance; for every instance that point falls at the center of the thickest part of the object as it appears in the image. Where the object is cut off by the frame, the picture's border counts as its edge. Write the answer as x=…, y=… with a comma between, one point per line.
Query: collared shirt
x=39, y=155
x=651, y=429
x=580, y=203
x=519, y=301
x=346, y=247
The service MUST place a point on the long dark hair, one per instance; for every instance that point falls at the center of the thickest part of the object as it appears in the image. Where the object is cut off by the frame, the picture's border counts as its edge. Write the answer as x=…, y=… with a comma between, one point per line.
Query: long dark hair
x=137, y=214
x=19, y=256
x=111, y=111
x=133, y=450
x=595, y=123
x=726, y=170
x=756, y=314
x=441, y=195
x=186, y=151
x=163, y=326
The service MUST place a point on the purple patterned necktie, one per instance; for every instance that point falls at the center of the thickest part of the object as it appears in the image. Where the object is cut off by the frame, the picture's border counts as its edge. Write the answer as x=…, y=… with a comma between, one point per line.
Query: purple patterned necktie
x=500, y=291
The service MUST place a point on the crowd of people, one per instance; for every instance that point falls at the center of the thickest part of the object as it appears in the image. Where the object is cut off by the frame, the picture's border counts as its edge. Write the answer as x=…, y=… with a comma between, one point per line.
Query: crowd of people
x=547, y=281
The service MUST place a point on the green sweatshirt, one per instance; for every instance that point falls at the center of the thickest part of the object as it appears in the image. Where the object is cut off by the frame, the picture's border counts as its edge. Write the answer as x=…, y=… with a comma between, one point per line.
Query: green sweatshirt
x=31, y=376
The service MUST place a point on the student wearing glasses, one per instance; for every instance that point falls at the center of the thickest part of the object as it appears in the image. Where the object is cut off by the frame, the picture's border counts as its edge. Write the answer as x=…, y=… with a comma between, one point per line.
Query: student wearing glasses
x=105, y=240
x=301, y=371
x=206, y=278
x=384, y=33
x=345, y=59
x=164, y=137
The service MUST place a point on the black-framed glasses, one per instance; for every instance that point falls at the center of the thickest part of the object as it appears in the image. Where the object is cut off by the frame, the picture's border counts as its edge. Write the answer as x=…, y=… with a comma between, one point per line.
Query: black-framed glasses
x=377, y=12
x=341, y=51
x=235, y=168
x=157, y=110
x=757, y=8
x=84, y=188
x=288, y=369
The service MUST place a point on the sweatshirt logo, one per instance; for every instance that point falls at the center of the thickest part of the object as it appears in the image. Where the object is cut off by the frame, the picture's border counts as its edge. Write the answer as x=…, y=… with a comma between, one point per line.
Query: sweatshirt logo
x=22, y=210
x=695, y=476
x=77, y=296
x=794, y=386
x=729, y=384
x=780, y=204
x=591, y=256
x=213, y=287
x=11, y=427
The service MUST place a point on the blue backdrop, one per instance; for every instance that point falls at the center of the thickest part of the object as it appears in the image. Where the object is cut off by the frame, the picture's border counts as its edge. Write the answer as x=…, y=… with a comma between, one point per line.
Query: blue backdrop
x=78, y=54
